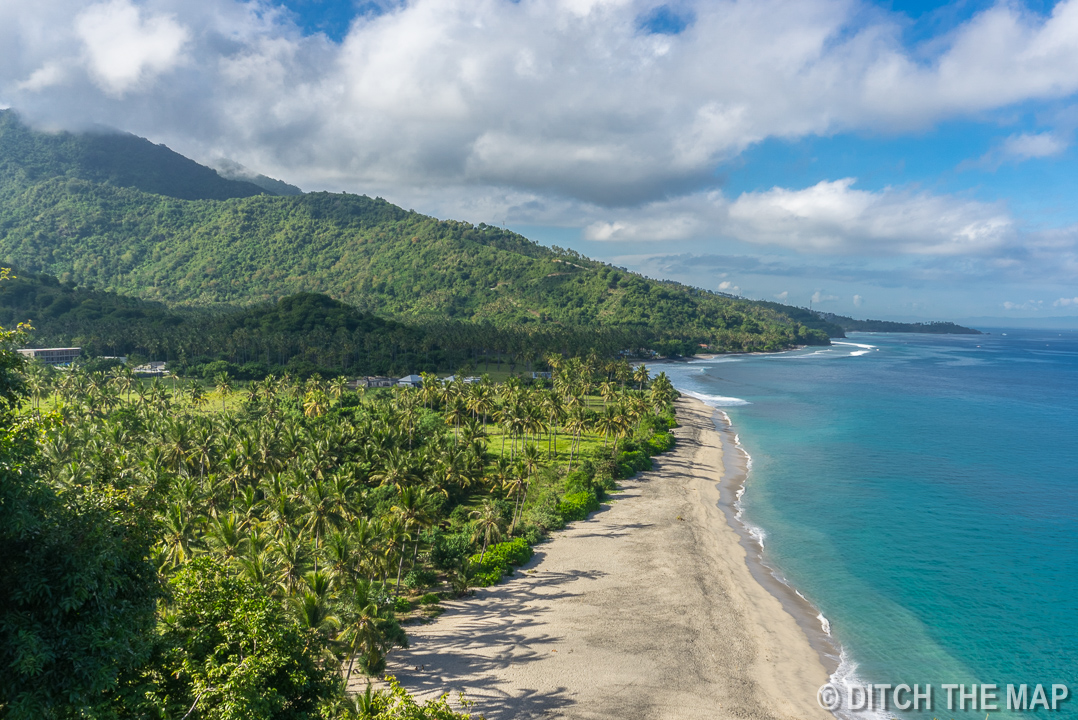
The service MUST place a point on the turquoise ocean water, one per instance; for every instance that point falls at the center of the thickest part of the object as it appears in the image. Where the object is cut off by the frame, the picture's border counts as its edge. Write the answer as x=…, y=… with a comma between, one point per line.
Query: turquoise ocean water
x=922, y=492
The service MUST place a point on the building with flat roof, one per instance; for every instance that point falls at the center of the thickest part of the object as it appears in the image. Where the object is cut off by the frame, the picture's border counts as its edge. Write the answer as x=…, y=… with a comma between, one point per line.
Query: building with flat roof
x=154, y=368
x=52, y=356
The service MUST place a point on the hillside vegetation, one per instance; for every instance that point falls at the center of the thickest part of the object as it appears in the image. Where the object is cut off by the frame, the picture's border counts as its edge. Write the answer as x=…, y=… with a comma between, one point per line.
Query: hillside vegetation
x=300, y=334
x=63, y=213
x=849, y=324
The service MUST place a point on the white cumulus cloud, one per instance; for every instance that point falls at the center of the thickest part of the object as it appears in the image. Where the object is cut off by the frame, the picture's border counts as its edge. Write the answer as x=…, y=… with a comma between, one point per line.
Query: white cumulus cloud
x=125, y=49
x=820, y=297
x=829, y=217
x=832, y=216
x=563, y=99
x=1066, y=302
x=563, y=112
x=1033, y=145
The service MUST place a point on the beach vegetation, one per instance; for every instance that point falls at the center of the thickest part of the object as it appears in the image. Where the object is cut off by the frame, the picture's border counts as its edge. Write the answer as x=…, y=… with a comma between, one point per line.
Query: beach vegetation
x=247, y=548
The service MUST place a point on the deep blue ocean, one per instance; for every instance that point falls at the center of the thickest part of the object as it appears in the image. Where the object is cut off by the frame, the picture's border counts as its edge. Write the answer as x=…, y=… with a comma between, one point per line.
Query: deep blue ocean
x=922, y=492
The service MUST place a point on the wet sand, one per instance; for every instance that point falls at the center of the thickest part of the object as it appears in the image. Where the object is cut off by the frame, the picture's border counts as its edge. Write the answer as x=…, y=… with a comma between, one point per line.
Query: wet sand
x=645, y=610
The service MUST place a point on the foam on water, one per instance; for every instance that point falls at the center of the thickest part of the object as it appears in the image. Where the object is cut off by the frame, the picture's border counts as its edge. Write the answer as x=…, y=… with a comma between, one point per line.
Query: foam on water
x=716, y=401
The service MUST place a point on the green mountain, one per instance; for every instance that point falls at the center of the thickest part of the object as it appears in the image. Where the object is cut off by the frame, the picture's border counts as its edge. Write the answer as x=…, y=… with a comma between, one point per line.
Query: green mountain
x=147, y=223
x=110, y=158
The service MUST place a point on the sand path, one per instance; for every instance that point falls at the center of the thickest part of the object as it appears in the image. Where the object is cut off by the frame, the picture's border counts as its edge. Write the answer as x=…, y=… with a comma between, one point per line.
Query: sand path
x=645, y=610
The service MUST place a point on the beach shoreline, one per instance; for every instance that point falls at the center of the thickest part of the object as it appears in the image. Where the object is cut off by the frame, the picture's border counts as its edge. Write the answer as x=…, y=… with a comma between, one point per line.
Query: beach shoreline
x=646, y=609
x=732, y=488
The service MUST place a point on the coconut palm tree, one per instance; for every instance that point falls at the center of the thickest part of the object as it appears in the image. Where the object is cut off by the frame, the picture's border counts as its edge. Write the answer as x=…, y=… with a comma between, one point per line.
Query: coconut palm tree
x=641, y=376
x=364, y=633
x=223, y=383
x=488, y=525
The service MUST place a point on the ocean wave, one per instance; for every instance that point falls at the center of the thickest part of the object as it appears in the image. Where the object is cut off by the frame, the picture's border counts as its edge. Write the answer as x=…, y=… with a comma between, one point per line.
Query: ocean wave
x=864, y=349
x=716, y=401
x=846, y=676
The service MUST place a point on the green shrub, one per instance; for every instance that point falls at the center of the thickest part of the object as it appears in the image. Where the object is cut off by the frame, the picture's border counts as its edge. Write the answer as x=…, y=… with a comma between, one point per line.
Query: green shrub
x=429, y=599
x=533, y=535
x=577, y=481
x=498, y=560
x=660, y=442
x=637, y=460
x=606, y=483
x=513, y=552
x=402, y=605
x=486, y=578
x=576, y=506
x=545, y=516
x=448, y=549
x=419, y=578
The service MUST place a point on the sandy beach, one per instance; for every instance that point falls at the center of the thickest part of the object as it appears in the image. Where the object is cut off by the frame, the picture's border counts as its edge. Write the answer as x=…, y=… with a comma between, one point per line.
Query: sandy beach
x=645, y=610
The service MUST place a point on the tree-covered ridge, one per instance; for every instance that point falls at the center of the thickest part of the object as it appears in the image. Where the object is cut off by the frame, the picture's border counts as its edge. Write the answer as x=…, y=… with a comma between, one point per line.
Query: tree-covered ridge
x=108, y=157
x=935, y=328
x=366, y=252
x=301, y=334
x=67, y=209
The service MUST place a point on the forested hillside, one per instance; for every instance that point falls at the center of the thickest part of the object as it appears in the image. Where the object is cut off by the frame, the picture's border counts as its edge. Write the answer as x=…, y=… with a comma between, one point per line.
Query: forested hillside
x=111, y=158
x=64, y=213
x=935, y=328
x=300, y=334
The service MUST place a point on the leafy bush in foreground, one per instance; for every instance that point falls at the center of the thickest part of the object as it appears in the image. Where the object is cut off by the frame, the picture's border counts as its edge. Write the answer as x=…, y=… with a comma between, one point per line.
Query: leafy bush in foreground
x=498, y=560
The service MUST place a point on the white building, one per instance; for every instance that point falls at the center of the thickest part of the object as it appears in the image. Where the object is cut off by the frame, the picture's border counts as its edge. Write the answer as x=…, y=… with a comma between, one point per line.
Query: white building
x=52, y=356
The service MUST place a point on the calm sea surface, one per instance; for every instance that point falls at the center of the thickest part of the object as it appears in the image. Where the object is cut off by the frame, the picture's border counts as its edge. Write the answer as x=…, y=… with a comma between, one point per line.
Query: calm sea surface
x=922, y=492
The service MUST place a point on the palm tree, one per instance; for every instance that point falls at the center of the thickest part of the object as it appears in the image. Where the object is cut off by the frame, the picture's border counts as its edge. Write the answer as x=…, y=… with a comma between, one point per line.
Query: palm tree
x=291, y=557
x=488, y=525
x=641, y=376
x=364, y=632
x=515, y=484
x=224, y=387
x=226, y=536
x=337, y=386
x=577, y=423
x=178, y=528
x=607, y=391
x=312, y=612
x=396, y=470
x=315, y=403
x=456, y=411
x=412, y=509
x=321, y=510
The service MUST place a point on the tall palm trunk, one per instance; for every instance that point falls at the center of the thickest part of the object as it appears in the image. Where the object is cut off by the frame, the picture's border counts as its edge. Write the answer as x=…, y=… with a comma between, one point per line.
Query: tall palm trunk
x=400, y=568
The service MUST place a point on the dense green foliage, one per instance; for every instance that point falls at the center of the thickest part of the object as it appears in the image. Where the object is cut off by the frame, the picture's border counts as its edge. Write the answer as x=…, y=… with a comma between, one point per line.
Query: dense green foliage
x=78, y=594
x=58, y=218
x=228, y=648
x=497, y=560
x=301, y=334
x=283, y=528
x=935, y=328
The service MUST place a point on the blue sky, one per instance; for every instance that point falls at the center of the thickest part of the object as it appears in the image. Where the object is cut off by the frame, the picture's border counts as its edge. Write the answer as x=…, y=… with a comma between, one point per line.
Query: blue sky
x=892, y=159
